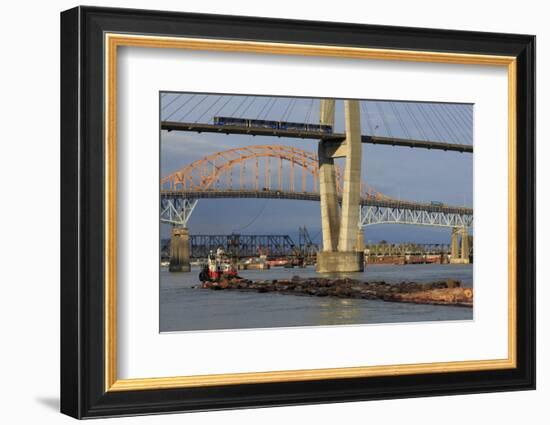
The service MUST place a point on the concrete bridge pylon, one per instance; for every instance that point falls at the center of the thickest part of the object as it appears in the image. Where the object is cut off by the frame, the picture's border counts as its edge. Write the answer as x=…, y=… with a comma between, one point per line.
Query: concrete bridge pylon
x=330, y=209
x=340, y=227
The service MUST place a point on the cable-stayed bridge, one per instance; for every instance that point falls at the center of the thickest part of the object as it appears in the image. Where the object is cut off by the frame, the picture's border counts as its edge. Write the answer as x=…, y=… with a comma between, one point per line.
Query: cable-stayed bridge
x=443, y=126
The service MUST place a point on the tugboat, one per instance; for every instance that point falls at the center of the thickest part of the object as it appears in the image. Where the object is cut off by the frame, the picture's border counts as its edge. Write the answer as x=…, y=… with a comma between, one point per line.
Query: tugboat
x=218, y=267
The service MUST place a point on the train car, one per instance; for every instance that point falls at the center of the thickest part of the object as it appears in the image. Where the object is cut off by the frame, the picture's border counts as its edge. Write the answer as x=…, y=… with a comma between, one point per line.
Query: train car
x=437, y=204
x=263, y=124
x=281, y=125
x=314, y=127
x=285, y=125
x=240, y=122
x=320, y=128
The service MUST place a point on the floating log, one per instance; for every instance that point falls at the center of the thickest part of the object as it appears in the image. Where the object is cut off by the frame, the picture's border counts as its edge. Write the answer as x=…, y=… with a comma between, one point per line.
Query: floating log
x=448, y=292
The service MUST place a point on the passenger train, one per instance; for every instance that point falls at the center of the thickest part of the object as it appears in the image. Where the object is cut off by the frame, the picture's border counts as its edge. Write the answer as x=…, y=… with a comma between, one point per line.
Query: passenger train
x=275, y=125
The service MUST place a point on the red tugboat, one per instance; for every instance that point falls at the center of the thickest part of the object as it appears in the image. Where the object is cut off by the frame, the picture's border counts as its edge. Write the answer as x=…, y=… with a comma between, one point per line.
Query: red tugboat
x=219, y=267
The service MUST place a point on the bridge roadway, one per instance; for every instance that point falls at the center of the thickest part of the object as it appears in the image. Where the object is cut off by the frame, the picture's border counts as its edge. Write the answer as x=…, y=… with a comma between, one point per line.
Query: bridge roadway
x=309, y=196
x=330, y=137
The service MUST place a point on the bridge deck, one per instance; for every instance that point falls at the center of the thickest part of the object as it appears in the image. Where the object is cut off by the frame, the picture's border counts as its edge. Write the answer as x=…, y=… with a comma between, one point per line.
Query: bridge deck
x=309, y=196
x=335, y=137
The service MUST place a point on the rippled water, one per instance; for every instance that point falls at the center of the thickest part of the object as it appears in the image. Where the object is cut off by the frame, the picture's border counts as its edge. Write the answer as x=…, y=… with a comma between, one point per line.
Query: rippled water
x=184, y=308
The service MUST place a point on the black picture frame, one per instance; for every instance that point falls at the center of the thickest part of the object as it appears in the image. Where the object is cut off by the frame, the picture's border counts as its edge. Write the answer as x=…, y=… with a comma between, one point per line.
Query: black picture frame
x=83, y=392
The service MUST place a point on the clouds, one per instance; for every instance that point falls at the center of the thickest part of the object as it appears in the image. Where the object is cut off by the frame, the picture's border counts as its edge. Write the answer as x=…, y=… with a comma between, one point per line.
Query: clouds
x=180, y=148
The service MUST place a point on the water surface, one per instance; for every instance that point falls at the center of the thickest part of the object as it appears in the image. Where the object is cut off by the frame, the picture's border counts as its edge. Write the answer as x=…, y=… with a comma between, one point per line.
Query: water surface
x=185, y=308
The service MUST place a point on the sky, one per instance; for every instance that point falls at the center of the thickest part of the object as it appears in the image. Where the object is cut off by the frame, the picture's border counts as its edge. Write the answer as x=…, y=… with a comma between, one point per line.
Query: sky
x=404, y=173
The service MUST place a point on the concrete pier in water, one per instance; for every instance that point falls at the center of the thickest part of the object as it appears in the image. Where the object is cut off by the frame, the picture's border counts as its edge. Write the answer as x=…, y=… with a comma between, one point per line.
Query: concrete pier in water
x=179, y=250
x=460, y=253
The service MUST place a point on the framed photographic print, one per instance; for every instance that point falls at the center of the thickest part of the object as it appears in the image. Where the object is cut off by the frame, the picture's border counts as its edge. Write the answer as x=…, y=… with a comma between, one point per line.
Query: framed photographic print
x=261, y=212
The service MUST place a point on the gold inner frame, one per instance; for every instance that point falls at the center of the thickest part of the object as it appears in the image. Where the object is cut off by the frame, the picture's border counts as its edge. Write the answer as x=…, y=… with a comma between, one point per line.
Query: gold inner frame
x=113, y=41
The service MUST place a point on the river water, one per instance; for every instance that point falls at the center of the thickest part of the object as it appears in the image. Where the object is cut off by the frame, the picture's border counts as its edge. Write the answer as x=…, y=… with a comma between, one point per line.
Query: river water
x=184, y=308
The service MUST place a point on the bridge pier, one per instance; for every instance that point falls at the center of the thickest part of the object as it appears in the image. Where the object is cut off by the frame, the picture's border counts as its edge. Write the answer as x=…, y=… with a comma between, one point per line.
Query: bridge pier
x=179, y=250
x=460, y=254
x=454, y=245
x=343, y=257
x=360, y=244
x=340, y=262
x=465, y=246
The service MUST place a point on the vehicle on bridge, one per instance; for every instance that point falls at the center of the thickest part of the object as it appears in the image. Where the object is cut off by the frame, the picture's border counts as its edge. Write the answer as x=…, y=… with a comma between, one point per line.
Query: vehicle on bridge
x=275, y=125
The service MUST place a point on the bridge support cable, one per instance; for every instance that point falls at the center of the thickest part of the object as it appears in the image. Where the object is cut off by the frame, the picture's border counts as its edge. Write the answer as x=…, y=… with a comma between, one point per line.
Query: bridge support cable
x=251, y=222
x=287, y=110
x=176, y=97
x=427, y=120
x=367, y=118
x=418, y=127
x=208, y=109
x=270, y=108
x=374, y=125
x=453, y=119
x=400, y=120
x=194, y=107
x=445, y=123
x=239, y=106
x=308, y=114
x=466, y=117
x=229, y=99
x=383, y=117
x=248, y=106
x=180, y=107
x=269, y=99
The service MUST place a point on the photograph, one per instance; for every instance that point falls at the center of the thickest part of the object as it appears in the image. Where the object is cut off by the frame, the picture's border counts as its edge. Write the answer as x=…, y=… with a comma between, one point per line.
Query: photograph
x=285, y=211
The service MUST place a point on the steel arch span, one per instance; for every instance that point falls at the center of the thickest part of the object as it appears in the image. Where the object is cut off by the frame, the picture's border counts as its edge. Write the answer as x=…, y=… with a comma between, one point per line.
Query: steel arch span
x=260, y=168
